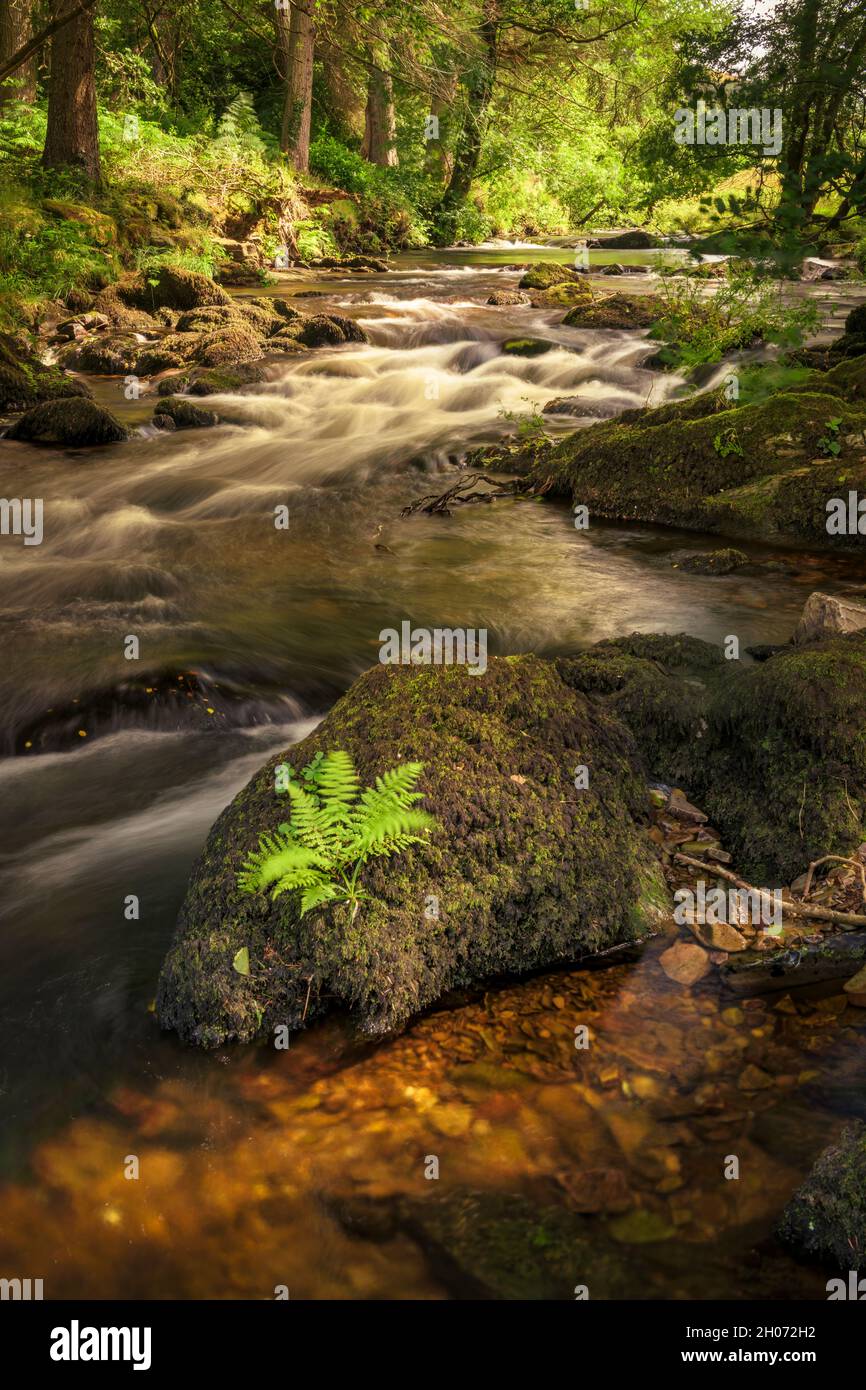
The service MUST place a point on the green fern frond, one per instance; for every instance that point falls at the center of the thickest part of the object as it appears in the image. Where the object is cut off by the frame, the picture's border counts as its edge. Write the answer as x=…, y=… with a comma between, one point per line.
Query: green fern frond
x=381, y=833
x=337, y=780
x=275, y=858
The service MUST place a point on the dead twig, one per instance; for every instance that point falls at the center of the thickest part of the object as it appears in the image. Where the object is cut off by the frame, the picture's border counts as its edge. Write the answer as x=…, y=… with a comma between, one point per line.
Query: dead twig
x=817, y=914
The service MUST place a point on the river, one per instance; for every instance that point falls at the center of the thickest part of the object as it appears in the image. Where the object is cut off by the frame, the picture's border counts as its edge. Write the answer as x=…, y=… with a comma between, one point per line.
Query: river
x=114, y=770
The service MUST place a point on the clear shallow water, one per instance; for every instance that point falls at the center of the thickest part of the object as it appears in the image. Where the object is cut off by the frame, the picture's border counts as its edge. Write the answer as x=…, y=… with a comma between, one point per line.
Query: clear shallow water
x=172, y=538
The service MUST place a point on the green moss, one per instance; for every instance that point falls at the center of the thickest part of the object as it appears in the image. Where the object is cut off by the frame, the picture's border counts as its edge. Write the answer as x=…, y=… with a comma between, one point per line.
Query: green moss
x=782, y=771
x=614, y=311
x=544, y=274
x=826, y=1217
x=24, y=381
x=527, y=869
x=710, y=471
x=75, y=422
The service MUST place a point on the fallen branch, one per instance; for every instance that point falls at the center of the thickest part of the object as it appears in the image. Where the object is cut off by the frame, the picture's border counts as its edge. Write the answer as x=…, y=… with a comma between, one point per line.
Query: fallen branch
x=435, y=505
x=818, y=914
x=854, y=864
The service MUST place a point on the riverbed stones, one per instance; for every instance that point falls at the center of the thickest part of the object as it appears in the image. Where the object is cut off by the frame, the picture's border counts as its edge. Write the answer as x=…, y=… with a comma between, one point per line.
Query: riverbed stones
x=524, y=875
x=826, y=1217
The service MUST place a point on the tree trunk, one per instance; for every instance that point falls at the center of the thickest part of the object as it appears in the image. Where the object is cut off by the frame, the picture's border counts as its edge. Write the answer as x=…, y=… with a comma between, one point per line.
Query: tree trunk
x=345, y=103
x=16, y=27
x=72, y=137
x=298, y=46
x=380, y=121
x=479, y=90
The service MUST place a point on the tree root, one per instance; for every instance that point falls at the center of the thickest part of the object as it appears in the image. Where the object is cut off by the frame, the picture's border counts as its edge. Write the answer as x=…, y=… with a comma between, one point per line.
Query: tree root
x=461, y=492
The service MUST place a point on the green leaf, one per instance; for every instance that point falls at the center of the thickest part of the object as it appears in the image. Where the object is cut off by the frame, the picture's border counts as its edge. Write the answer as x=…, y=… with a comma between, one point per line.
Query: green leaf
x=241, y=962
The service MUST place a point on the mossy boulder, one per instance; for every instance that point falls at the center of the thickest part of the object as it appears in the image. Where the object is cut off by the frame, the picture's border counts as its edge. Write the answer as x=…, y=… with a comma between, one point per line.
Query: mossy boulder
x=184, y=414
x=212, y=381
x=614, y=311
x=659, y=687
x=545, y=274
x=503, y=297
x=100, y=228
x=207, y=319
x=636, y=240
x=24, y=381
x=326, y=330
x=187, y=289
x=713, y=562
x=761, y=469
x=156, y=359
x=783, y=767
x=232, y=344
x=525, y=869
x=826, y=1218
x=76, y=422
x=107, y=355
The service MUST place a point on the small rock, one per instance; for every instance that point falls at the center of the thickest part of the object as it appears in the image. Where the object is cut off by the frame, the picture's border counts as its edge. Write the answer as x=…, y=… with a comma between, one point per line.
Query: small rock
x=713, y=561
x=684, y=963
x=753, y=1079
x=719, y=936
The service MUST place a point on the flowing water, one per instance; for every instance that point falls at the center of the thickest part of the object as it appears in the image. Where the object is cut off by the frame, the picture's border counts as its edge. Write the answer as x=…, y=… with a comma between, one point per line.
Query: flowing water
x=306, y=1168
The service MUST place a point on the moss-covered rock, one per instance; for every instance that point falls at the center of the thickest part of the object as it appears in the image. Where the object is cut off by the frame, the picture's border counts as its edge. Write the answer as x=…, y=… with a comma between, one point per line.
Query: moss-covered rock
x=24, y=381
x=658, y=685
x=826, y=1218
x=326, y=330
x=228, y=346
x=503, y=297
x=184, y=414
x=525, y=868
x=545, y=274
x=526, y=347
x=207, y=319
x=212, y=381
x=614, y=311
x=186, y=289
x=764, y=469
x=101, y=228
x=78, y=423
x=156, y=359
x=107, y=355
x=724, y=561
x=783, y=767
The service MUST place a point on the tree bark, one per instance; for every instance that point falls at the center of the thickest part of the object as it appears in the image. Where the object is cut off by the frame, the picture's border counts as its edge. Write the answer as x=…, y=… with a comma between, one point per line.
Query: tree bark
x=16, y=29
x=298, y=46
x=479, y=90
x=380, y=121
x=72, y=137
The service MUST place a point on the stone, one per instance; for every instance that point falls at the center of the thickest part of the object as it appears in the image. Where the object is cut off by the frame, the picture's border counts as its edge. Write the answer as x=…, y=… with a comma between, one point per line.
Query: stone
x=719, y=936
x=684, y=963
x=76, y=422
x=826, y=1217
x=527, y=875
x=713, y=562
x=827, y=616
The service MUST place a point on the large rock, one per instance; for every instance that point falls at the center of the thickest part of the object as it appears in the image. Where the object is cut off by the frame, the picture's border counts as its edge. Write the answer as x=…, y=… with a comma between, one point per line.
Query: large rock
x=526, y=870
x=614, y=311
x=545, y=274
x=187, y=289
x=782, y=772
x=826, y=1218
x=825, y=616
x=760, y=469
x=629, y=241
x=76, y=422
x=658, y=685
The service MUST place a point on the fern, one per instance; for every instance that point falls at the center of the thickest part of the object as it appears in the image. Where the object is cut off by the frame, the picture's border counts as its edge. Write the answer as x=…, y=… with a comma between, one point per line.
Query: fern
x=334, y=831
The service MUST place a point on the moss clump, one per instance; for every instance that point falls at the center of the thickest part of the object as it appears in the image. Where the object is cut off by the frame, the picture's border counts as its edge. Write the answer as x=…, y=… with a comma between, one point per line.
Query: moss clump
x=24, y=381
x=659, y=687
x=525, y=870
x=111, y=355
x=205, y=320
x=526, y=347
x=75, y=422
x=187, y=289
x=826, y=1218
x=783, y=767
